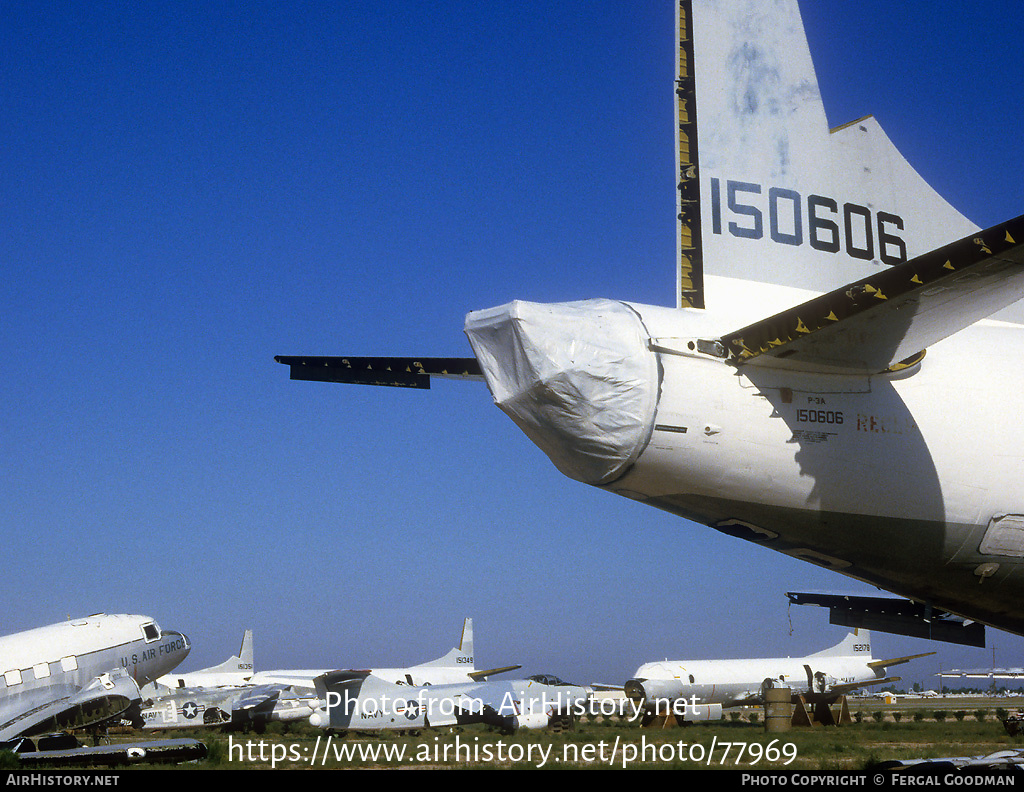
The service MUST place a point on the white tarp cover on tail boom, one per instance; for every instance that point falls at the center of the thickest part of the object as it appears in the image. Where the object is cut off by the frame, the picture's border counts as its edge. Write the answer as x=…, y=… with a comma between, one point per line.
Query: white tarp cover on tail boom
x=576, y=377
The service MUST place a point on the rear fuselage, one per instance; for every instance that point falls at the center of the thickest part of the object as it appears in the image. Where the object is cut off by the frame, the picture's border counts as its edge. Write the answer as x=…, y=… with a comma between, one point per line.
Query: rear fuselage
x=908, y=480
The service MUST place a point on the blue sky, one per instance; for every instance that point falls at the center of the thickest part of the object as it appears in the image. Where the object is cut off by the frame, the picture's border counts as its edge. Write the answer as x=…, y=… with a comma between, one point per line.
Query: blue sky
x=191, y=189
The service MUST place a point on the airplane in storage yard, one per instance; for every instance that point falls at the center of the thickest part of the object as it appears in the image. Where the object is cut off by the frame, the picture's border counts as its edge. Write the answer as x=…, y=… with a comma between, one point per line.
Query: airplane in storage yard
x=459, y=665
x=824, y=675
x=234, y=693
x=360, y=700
x=788, y=398
x=82, y=672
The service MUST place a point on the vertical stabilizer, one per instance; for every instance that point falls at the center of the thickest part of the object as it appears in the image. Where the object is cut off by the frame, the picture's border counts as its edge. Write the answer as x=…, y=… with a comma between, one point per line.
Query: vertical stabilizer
x=782, y=198
x=241, y=664
x=856, y=644
x=461, y=656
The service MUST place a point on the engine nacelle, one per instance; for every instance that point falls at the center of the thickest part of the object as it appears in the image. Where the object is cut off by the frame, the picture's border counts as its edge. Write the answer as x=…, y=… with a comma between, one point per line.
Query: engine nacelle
x=654, y=693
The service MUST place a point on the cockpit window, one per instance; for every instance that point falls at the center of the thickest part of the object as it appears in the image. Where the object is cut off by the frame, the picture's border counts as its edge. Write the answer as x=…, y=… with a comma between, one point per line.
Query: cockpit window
x=547, y=679
x=151, y=632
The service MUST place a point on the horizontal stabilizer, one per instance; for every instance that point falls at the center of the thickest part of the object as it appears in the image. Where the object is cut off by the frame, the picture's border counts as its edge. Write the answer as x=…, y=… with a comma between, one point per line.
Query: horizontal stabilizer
x=891, y=316
x=489, y=672
x=899, y=616
x=392, y=371
x=898, y=660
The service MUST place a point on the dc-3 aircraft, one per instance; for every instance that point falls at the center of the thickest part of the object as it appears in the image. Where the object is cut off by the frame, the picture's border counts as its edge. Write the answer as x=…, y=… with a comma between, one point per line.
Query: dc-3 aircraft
x=234, y=694
x=360, y=700
x=787, y=398
x=827, y=674
x=82, y=672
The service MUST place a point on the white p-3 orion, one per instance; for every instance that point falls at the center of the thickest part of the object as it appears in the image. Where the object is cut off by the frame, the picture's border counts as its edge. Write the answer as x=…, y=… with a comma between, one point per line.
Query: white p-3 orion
x=788, y=398
x=824, y=675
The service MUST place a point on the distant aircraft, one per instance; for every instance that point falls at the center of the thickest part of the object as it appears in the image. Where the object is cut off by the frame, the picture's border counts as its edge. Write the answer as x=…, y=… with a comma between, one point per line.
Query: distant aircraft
x=221, y=695
x=829, y=673
x=82, y=672
x=787, y=398
x=234, y=694
x=458, y=665
x=236, y=706
x=359, y=700
x=982, y=673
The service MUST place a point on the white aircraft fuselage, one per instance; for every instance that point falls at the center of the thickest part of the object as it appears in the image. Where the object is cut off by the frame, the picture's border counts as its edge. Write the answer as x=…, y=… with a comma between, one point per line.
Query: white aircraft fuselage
x=907, y=480
x=739, y=681
x=361, y=700
x=98, y=662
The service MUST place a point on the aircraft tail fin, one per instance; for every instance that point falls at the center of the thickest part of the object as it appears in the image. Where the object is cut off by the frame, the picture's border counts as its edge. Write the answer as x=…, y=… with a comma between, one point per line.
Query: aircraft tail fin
x=242, y=663
x=767, y=192
x=461, y=656
x=856, y=644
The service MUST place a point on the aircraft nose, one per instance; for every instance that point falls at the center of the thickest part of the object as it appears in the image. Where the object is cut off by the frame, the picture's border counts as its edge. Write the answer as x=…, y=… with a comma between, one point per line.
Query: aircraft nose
x=185, y=644
x=578, y=378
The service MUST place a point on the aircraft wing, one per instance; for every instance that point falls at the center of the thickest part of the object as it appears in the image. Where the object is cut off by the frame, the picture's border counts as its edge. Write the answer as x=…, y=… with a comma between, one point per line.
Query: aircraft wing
x=339, y=679
x=394, y=371
x=251, y=701
x=489, y=672
x=887, y=318
x=105, y=697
